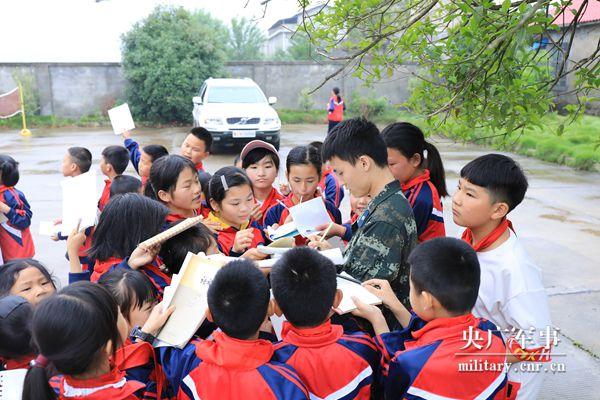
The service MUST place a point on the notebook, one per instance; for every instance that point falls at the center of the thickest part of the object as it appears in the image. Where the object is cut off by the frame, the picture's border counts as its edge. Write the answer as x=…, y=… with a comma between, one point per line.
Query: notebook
x=352, y=289
x=11, y=384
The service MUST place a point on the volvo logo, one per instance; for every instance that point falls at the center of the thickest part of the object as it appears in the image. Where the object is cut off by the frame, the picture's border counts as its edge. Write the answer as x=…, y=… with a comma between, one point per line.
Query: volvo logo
x=243, y=121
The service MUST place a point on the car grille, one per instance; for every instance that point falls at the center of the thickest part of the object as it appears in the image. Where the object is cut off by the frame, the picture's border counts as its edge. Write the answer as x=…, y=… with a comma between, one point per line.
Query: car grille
x=238, y=121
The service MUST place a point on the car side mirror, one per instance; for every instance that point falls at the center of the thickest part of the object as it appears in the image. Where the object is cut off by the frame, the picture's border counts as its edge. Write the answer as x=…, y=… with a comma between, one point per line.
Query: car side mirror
x=272, y=100
x=197, y=100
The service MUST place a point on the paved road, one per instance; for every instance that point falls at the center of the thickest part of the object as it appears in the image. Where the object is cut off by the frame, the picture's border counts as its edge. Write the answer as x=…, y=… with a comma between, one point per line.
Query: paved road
x=559, y=223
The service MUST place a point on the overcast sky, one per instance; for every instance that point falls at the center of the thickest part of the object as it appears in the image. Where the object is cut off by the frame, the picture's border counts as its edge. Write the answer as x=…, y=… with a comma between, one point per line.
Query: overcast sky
x=83, y=30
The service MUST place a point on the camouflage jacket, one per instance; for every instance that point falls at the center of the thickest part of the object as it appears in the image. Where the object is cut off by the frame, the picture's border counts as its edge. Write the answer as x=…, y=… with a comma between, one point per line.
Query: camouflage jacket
x=386, y=235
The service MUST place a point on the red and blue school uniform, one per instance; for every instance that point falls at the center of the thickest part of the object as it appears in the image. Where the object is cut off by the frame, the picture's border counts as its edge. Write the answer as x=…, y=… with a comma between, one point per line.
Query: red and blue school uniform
x=15, y=237
x=105, y=196
x=113, y=385
x=227, y=369
x=278, y=214
x=333, y=365
x=271, y=200
x=134, y=155
x=426, y=205
x=226, y=236
x=154, y=271
x=431, y=360
x=331, y=187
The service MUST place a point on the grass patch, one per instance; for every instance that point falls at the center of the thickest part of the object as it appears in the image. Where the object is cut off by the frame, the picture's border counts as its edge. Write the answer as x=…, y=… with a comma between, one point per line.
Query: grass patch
x=52, y=121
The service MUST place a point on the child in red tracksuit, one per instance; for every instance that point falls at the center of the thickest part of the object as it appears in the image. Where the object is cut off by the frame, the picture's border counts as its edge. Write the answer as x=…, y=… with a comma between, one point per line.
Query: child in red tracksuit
x=418, y=166
x=15, y=214
x=196, y=147
x=142, y=159
x=113, y=162
x=443, y=350
x=235, y=364
x=331, y=364
x=77, y=331
x=232, y=201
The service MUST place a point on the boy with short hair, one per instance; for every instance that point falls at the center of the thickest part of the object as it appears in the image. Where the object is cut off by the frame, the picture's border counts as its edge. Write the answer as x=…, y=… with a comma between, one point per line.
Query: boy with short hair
x=386, y=230
x=443, y=351
x=235, y=364
x=329, y=184
x=332, y=364
x=196, y=146
x=142, y=159
x=511, y=294
x=77, y=161
x=113, y=162
x=125, y=184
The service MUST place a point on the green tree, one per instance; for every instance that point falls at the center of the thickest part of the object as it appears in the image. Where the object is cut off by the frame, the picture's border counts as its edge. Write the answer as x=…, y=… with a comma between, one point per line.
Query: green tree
x=166, y=57
x=245, y=40
x=301, y=49
x=477, y=62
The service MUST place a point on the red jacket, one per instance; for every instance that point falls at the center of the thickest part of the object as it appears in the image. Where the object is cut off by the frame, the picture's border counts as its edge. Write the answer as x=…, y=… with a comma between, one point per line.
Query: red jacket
x=15, y=237
x=332, y=364
x=427, y=207
x=112, y=386
x=335, y=109
x=105, y=196
x=269, y=202
x=226, y=236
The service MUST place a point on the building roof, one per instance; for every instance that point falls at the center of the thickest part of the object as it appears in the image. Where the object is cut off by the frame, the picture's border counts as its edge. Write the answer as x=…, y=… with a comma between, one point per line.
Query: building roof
x=294, y=19
x=591, y=13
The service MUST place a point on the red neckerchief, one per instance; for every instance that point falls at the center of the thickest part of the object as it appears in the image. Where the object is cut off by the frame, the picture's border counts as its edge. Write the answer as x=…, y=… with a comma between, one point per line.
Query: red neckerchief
x=114, y=384
x=269, y=202
x=354, y=217
x=171, y=217
x=19, y=363
x=233, y=353
x=5, y=188
x=490, y=239
x=133, y=355
x=200, y=167
x=318, y=336
x=12, y=191
x=102, y=267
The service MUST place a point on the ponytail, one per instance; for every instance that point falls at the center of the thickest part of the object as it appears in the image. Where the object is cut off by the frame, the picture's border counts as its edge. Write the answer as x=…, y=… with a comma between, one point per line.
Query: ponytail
x=36, y=386
x=409, y=140
x=9, y=170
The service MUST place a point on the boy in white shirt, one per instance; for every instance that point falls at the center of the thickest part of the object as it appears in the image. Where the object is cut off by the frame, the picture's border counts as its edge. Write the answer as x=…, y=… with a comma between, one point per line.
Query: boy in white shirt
x=511, y=294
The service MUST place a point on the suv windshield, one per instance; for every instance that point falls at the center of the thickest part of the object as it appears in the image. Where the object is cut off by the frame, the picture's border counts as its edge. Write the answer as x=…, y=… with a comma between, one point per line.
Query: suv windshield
x=226, y=94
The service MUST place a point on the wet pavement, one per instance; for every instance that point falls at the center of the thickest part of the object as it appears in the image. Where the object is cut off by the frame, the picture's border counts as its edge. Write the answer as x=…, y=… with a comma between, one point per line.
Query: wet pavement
x=558, y=222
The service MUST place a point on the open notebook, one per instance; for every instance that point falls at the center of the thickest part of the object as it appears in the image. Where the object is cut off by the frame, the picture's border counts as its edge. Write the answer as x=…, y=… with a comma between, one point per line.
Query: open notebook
x=352, y=289
x=11, y=384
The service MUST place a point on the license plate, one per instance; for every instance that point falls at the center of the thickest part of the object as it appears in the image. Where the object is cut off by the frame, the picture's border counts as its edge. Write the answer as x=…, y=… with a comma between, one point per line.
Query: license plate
x=243, y=134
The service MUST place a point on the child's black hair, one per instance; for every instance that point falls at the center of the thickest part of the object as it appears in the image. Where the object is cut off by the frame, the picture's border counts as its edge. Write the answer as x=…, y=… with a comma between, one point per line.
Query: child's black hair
x=71, y=330
x=410, y=140
x=232, y=176
x=354, y=138
x=155, y=151
x=500, y=175
x=195, y=239
x=258, y=154
x=9, y=273
x=15, y=327
x=304, y=155
x=117, y=157
x=125, y=184
x=9, y=170
x=236, y=159
x=81, y=157
x=336, y=91
x=204, y=135
x=304, y=286
x=129, y=288
x=204, y=179
x=127, y=220
x=448, y=269
x=164, y=173
x=238, y=299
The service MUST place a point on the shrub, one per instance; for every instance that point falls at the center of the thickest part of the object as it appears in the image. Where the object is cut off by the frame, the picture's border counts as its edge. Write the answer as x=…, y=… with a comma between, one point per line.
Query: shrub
x=367, y=107
x=305, y=100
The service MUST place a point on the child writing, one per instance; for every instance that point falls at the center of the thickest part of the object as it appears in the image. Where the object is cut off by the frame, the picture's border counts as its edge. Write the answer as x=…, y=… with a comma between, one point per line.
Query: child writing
x=303, y=165
x=142, y=159
x=232, y=202
x=418, y=166
x=16, y=350
x=196, y=147
x=423, y=360
x=329, y=184
x=15, y=214
x=328, y=361
x=77, y=332
x=77, y=161
x=113, y=162
x=260, y=160
x=511, y=295
x=27, y=278
x=235, y=364
x=174, y=182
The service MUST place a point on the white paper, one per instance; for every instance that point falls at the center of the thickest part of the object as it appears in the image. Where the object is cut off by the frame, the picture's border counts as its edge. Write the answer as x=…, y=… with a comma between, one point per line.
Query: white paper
x=335, y=255
x=352, y=289
x=121, y=119
x=308, y=215
x=80, y=201
x=47, y=228
x=11, y=384
x=277, y=323
x=285, y=230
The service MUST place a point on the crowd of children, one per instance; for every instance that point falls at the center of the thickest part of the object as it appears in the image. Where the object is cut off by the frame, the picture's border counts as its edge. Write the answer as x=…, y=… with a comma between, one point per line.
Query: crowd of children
x=445, y=302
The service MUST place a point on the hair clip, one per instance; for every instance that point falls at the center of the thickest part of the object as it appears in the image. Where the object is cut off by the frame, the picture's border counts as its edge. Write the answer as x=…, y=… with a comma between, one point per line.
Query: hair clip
x=425, y=153
x=224, y=182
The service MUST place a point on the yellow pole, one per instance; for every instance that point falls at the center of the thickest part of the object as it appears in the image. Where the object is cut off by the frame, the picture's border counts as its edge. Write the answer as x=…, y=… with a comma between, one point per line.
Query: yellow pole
x=24, y=131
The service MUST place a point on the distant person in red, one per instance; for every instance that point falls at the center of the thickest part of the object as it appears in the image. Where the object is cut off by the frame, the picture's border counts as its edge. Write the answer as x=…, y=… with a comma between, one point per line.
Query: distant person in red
x=335, y=109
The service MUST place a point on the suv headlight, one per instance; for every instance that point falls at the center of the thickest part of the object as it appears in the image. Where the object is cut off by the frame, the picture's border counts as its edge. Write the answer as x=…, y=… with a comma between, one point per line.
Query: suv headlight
x=271, y=121
x=212, y=121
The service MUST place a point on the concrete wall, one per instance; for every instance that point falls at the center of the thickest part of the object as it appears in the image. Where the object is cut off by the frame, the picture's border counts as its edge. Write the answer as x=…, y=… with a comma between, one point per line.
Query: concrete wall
x=74, y=90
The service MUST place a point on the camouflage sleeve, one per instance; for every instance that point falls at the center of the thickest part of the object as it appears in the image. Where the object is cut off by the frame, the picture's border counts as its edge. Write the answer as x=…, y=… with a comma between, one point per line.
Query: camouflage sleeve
x=379, y=250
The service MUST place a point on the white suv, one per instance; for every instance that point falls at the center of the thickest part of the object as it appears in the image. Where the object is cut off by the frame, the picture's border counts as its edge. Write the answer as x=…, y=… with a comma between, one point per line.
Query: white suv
x=236, y=111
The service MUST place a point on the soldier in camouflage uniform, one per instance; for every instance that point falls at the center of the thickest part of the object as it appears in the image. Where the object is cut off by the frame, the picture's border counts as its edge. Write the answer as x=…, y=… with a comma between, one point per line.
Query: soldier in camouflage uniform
x=387, y=231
